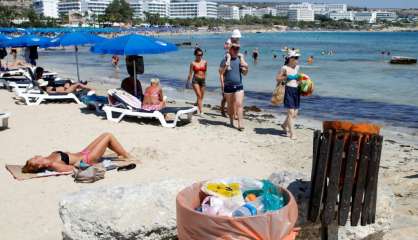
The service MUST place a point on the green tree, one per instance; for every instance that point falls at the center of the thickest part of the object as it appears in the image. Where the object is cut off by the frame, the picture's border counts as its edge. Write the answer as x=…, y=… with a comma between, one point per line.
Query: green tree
x=118, y=11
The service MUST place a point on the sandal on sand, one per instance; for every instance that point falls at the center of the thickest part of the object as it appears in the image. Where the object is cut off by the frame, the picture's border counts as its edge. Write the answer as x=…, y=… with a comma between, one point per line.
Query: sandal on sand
x=241, y=129
x=127, y=167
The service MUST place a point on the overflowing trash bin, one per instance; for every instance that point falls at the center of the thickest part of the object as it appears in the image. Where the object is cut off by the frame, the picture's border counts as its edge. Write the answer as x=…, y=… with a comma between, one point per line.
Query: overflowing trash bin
x=235, y=208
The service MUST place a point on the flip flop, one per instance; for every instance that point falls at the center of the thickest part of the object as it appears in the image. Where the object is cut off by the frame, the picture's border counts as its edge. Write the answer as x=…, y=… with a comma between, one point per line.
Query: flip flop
x=127, y=167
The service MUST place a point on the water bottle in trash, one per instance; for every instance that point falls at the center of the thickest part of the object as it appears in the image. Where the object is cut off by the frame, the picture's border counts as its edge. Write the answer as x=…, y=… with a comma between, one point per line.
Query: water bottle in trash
x=245, y=210
x=250, y=209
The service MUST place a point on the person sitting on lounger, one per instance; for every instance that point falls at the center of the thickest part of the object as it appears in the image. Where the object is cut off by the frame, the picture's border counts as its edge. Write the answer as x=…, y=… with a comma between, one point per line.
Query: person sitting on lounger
x=49, y=88
x=153, y=97
x=60, y=161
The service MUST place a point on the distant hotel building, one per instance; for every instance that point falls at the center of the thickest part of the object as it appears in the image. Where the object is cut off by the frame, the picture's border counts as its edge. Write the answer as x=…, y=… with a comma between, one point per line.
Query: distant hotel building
x=193, y=9
x=336, y=16
x=246, y=11
x=323, y=9
x=160, y=7
x=301, y=12
x=46, y=8
x=96, y=7
x=260, y=12
x=385, y=16
x=364, y=17
x=228, y=12
x=137, y=8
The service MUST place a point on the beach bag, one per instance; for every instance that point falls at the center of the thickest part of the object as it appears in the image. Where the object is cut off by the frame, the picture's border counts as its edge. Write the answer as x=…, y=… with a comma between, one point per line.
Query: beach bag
x=192, y=224
x=278, y=94
x=89, y=175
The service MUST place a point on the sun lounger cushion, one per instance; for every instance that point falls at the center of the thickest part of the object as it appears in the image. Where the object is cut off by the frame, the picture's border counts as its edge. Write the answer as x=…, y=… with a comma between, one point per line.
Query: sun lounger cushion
x=121, y=96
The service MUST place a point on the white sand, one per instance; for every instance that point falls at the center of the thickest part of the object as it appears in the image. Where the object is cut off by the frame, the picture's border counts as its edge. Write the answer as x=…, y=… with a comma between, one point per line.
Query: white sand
x=204, y=149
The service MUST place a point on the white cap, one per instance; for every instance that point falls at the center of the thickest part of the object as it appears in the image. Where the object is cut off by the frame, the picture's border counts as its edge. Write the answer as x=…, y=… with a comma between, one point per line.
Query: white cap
x=228, y=41
x=236, y=33
x=293, y=53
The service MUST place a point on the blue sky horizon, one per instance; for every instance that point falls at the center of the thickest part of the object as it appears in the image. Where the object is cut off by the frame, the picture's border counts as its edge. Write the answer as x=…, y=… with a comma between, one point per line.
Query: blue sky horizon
x=356, y=3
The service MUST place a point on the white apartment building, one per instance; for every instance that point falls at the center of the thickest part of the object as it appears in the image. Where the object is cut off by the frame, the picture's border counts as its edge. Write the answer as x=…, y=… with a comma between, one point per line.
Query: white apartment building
x=260, y=12
x=385, y=16
x=301, y=12
x=341, y=16
x=228, y=12
x=96, y=7
x=244, y=11
x=160, y=7
x=46, y=8
x=325, y=8
x=368, y=17
x=137, y=8
x=193, y=9
x=282, y=9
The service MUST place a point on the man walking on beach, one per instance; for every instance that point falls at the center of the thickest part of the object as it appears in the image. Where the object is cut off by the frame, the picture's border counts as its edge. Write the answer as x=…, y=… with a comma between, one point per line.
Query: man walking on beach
x=231, y=85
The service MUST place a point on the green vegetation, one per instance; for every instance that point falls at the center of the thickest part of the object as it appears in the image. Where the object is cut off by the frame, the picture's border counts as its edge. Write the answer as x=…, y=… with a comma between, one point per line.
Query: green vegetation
x=10, y=15
x=117, y=11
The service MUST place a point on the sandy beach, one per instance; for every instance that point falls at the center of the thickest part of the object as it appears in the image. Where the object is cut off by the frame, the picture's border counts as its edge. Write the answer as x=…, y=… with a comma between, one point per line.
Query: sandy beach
x=205, y=148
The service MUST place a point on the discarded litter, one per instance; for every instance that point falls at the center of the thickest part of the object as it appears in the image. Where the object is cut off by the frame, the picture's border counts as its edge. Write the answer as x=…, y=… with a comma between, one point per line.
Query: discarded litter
x=240, y=197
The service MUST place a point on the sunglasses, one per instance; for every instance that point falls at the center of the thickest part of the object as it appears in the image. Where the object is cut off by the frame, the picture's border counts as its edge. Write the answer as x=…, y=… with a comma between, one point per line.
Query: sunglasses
x=199, y=55
x=296, y=58
x=235, y=48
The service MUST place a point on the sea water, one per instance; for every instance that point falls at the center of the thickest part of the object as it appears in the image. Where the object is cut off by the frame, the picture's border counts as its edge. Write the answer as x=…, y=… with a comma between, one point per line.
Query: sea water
x=354, y=83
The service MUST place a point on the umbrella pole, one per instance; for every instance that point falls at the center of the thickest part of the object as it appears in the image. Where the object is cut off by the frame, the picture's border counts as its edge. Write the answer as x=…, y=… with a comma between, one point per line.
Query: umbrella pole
x=135, y=88
x=76, y=61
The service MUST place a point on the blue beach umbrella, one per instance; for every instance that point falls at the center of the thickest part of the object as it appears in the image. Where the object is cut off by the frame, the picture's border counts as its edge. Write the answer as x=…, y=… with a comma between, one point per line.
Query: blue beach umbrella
x=3, y=40
x=132, y=45
x=28, y=41
x=76, y=39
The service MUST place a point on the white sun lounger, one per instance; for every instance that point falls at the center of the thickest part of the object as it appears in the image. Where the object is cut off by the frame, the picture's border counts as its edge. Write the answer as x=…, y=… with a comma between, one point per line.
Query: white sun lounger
x=4, y=119
x=131, y=105
x=109, y=110
x=32, y=98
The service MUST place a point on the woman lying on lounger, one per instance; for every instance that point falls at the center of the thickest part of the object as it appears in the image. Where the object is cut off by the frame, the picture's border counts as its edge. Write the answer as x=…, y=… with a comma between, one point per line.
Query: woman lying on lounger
x=60, y=161
x=67, y=88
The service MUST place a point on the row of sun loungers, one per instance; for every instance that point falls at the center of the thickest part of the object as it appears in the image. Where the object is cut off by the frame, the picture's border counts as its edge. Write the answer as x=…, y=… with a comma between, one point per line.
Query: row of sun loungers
x=127, y=105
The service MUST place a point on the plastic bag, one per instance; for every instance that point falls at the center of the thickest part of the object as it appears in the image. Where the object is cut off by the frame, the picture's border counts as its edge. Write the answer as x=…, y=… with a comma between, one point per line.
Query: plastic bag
x=220, y=206
x=272, y=199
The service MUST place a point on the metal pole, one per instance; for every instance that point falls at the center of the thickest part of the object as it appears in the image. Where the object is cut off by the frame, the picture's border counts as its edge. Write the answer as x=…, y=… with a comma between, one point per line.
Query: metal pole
x=135, y=89
x=76, y=61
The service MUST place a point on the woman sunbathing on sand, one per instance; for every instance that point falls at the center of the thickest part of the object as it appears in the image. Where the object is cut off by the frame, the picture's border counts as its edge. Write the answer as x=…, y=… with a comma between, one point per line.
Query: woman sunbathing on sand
x=60, y=161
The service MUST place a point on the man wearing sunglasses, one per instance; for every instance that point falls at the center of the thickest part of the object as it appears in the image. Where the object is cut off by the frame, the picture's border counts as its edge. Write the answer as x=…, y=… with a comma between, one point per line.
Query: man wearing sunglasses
x=231, y=85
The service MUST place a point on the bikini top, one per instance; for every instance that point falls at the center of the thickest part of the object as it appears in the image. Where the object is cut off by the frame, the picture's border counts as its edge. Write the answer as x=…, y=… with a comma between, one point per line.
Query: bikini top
x=199, y=68
x=152, y=92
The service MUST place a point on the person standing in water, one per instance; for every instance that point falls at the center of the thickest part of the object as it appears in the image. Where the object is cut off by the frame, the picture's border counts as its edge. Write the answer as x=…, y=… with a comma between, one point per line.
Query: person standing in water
x=255, y=55
x=289, y=73
x=197, y=76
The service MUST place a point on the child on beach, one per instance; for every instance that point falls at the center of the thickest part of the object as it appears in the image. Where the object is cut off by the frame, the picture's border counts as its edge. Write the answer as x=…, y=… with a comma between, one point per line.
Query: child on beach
x=234, y=39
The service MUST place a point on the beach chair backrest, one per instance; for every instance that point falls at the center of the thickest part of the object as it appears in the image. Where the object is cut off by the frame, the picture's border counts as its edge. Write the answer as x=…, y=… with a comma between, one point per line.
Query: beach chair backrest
x=123, y=97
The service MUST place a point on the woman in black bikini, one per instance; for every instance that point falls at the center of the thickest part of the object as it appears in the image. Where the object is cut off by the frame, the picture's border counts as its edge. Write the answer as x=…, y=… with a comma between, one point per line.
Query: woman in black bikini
x=60, y=161
x=197, y=75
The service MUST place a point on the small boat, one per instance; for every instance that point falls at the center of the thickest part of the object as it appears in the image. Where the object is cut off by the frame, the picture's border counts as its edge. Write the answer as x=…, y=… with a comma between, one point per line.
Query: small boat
x=403, y=60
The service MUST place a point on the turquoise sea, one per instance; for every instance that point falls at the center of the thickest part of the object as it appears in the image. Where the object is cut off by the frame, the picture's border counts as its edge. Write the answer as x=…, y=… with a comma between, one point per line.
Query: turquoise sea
x=355, y=83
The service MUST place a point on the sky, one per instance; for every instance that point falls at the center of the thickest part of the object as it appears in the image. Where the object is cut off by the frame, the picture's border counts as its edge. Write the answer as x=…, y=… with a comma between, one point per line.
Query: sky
x=357, y=3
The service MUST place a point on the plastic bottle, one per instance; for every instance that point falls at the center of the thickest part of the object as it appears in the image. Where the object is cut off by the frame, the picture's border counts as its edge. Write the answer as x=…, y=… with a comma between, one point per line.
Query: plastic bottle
x=245, y=210
x=250, y=209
